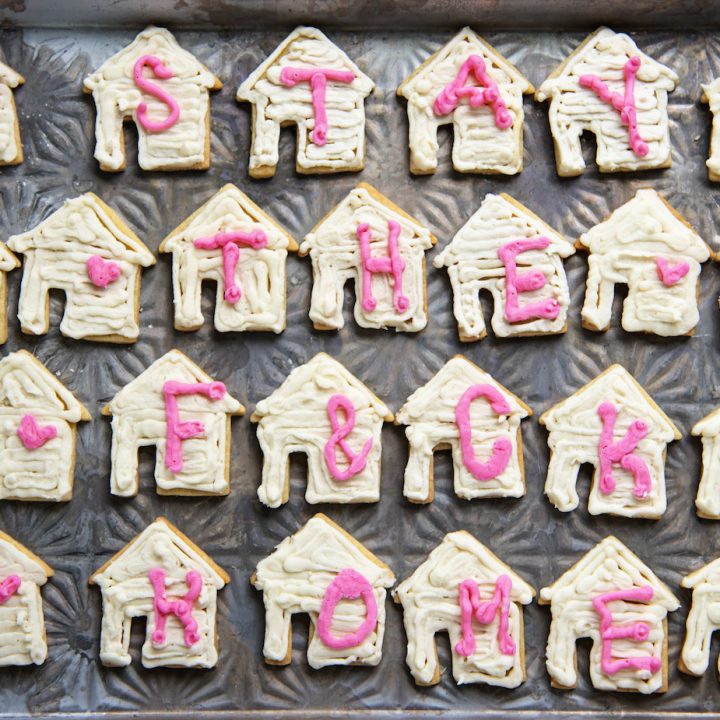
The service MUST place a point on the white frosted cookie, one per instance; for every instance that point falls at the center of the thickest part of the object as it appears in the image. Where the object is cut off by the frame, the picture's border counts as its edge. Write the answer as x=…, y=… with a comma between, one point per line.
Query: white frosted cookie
x=509, y=251
x=707, y=501
x=38, y=418
x=465, y=590
x=614, y=425
x=472, y=86
x=613, y=598
x=165, y=91
x=608, y=87
x=87, y=251
x=370, y=240
x=711, y=96
x=703, y=619
x=323, y=571
x=466, y=410
x=309, y=82
x=163, y=576
x=11, y=151
x=181, y=410
x=8, y=262
x=325, y=412
x=231, y=241
x=648, y=246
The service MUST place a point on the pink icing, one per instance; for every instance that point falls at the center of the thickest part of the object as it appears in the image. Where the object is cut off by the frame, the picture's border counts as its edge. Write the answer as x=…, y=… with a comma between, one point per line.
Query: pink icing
x=668, y=275
x=317, y=77
x=502, y=447
x=393, y=264
x=484, y=612
x=348, y=584
x=624, y=104
x=516, y=283
x=181, y=608
x=636, y=631
x=8, y=587
x=340, y=432
x=611, y=452
x=102, y=272
x=32, y=435
x=229, y=242
x=450, y=95
x=177, y=431
x=163, y=72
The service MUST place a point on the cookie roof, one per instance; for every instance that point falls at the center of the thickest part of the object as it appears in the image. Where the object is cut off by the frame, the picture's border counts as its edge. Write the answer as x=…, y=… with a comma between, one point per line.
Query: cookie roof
x=16, y=559
x=10, y=77
x=8, y=260
x=709, y=573
x=709, y=426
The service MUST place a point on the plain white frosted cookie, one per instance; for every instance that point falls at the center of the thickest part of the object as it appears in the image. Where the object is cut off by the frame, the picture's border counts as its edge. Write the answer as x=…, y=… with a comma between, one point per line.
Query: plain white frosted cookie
x=711, y=96
x=8, y=262
x=703, y=619
x=707, y=501
x=11, y=151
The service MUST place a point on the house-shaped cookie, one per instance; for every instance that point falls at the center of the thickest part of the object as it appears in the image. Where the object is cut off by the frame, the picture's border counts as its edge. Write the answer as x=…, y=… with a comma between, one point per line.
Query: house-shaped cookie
x=507, y=250
x=325, y=412
x=181, y=410
x=471, y=85
x=309, y=82
x=87, y=251
x=38, y=418
x=608, y=87
x=707, y=501
x=613, y=598
x=11, y=152
x=465, y=590
x=231, y=241
x=160, y=575
x=466, y=410
x=312, y=572
x=703, y=619
x=8, y=262
x=711, y=96
x=614, y=425
x=370, y=240
x=647, y=245
x=165, y=91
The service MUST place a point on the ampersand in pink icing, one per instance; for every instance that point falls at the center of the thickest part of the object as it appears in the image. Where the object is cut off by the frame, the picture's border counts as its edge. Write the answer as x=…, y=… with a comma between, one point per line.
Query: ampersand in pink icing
x=32, y=435
x=177, y=431
x=163, y=72
x=484, y=612
x=8, y=587
x=348, y=584
x=102, y=272
x=516, y=283
x=489, y=94
x=502, y=447
x=181, y=608
x=638, y=631
x=611, y=452
x=392, y=264
x=670, y=276
x=317, y=77
x=229, y=242
x=624, y=104
x=339, y=433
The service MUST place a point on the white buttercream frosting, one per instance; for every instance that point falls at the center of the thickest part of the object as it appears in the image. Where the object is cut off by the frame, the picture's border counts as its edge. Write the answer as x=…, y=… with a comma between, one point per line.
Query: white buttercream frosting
x=703, y=619
x=10, y=147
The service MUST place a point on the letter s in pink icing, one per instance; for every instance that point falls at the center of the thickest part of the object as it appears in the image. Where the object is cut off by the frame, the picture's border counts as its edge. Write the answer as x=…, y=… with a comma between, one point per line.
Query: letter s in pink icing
x=163, y=72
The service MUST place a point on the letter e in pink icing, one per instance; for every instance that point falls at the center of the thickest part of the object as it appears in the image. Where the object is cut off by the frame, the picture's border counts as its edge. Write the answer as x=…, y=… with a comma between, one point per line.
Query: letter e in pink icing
x=163, y=72
x=181, y=608
x=339, y=433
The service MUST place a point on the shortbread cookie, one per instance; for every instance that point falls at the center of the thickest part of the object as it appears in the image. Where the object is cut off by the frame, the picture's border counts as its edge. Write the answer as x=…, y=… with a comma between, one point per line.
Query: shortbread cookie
x=614, y=425
x=707, y=501
x=323, y=571
x=8, y=262
x=324, y=411
x=369, y=239
x=311, y=83
x=11, y=152
x=232, y=242
x=87, y=251
x=506, y=249
x=711, y=96
x=613, y=598
x=165, y=91
x=606, y=86
x=466, y=410
x=471, y=85
x=648, y=246
x=163, y=576
x=465, y=590
x=38, y=418
x=181, y=410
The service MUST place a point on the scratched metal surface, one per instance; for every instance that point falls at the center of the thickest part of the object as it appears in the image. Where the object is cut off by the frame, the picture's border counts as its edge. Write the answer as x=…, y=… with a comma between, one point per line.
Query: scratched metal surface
x=539, y=542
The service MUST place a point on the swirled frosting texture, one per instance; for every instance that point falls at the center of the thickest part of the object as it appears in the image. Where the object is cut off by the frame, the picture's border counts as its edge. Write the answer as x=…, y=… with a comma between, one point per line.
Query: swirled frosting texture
x=10, y=147
x=708, y=494
x=703, y=619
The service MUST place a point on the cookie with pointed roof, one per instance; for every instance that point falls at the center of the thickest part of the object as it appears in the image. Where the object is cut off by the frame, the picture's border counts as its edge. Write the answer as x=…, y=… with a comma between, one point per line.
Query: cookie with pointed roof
x=8, y=262
x=11, y=151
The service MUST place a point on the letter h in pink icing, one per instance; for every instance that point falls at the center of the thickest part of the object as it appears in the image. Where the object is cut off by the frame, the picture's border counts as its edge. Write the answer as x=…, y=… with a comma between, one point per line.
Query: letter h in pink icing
x=181, y=609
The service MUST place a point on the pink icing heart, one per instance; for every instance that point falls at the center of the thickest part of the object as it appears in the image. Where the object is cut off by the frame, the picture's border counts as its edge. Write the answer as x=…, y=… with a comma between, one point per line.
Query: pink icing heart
x=32, y=435
x=670, y=275
x=102, y=272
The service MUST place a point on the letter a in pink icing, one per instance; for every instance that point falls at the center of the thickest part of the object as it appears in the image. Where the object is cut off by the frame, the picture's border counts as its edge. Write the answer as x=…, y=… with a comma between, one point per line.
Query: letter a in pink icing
x=668, y=275
x=348, y=584
x=8, y=587
x=32, y=435
x=639, y=631
x=163, y=72
x=181, y=608
x=340, y=432
x=611, y=452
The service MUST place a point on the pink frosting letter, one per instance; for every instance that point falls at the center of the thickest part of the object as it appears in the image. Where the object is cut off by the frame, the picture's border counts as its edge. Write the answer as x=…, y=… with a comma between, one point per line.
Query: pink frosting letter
x=102, y=272
x=340, y=432
x=670, y=276
x=163, y=72
x=8, y=587
x=32, y=435
x=348, y=584
x=181, y=609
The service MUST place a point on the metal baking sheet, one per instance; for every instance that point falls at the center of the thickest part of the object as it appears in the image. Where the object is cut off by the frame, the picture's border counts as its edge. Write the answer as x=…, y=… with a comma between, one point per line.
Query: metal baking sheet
x=682, y=374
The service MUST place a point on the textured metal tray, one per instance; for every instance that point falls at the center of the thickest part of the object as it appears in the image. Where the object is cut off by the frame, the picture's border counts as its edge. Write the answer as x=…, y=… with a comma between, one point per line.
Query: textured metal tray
x=682, y=374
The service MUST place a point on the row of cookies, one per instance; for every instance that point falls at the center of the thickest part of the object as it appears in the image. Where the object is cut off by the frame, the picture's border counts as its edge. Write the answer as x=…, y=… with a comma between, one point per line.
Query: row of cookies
x=461, y=589
x=607, y=86
x=325, y=412
x=86, y=250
